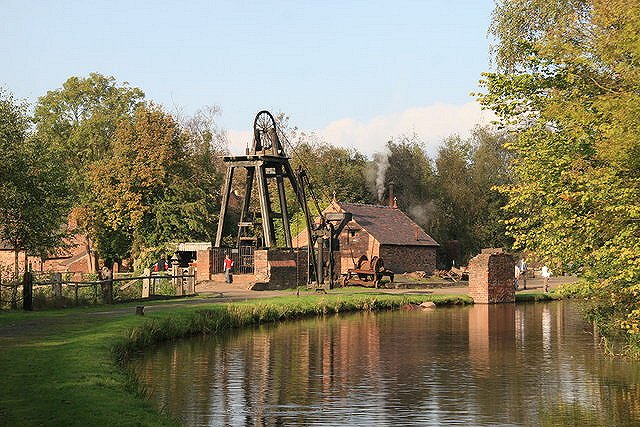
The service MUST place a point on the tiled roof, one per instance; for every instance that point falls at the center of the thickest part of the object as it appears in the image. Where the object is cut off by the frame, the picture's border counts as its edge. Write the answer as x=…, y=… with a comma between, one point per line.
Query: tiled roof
x=389, y=226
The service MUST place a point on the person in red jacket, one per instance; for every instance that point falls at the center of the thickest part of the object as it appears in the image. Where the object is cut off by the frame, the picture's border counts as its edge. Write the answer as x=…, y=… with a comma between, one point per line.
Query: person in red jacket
x=228, y=265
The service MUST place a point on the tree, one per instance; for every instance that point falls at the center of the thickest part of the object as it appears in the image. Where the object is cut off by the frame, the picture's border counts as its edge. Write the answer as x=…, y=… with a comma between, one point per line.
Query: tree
x=79, y=121
x=469, y=207
x=567, y=84
x=81, y=117
x=149, y=190
x=34, y=201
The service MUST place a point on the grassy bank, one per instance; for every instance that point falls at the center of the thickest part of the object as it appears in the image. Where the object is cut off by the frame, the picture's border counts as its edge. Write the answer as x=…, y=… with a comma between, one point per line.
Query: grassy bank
x=65, y=367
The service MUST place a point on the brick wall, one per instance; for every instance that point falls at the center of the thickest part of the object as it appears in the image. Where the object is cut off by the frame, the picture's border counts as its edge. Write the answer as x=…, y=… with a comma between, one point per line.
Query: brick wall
x=354, y=241
x=491, y=278
x=203, y=269
x=402, y=259
x=7, y=258
x=280, y=268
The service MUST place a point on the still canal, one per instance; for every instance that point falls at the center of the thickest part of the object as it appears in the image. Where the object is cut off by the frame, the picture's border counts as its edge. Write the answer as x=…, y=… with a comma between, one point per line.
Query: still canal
x=530, y=364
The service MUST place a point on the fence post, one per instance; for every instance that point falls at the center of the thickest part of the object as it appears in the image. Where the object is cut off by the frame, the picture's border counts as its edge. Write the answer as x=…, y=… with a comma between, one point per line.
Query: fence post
x=56, y=278
x=107, y=286
x=177, y=283
x=76, y=292
x=146, y=283
x=27, y=291
x=191, y=280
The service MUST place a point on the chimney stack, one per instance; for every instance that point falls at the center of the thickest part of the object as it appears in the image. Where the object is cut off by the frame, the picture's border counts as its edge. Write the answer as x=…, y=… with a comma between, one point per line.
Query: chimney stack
x=391, y=196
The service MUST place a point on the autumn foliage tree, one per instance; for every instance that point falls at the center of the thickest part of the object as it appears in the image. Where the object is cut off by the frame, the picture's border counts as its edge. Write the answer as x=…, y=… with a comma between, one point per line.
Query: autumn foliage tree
x=148, y=190
x=568, y=85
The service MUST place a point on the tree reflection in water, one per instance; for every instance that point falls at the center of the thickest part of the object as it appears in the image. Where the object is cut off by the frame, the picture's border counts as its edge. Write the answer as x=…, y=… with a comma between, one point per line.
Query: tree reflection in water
x=487, y=364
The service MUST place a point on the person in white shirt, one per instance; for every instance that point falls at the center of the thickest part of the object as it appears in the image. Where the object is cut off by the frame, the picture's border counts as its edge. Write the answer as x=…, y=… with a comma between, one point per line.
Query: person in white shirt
x=545, y=273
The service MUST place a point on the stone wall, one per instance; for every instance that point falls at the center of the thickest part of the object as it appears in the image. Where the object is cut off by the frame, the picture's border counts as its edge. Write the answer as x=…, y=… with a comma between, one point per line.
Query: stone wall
x=402, y=259
x=491, y=278
x=279, y=268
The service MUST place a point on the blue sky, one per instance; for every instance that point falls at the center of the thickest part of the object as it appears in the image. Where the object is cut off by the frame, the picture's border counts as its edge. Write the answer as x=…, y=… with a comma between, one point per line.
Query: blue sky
x=356, y=72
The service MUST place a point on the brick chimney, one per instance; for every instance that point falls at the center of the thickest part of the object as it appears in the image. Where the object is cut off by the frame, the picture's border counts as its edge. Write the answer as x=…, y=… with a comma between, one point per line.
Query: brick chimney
x=392, y=199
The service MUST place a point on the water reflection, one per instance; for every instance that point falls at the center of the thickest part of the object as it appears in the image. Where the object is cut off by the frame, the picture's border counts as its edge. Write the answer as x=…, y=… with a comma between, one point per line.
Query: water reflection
x=533, y=364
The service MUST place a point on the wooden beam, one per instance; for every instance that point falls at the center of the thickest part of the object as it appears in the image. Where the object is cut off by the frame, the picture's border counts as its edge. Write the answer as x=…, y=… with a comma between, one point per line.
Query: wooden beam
x=283, y=207
x=263, y=193
x=247, y=200
x=224, y=205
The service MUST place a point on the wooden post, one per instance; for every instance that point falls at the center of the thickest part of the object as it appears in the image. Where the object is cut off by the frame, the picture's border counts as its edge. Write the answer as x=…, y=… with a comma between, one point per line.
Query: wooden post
x=76, y=292
x=191, y=281
x=244, y=212
x=146, y=283
x=27, y=291
x=224, y=205
x=107, y=286
x=56, y=278
x=176, y=282
x=283, y=207
x=268, y=233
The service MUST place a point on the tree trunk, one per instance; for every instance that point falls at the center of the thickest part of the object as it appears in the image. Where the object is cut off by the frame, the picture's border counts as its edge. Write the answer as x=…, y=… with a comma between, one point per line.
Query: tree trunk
x=90, y=268
x=16, y=267
x=16, y=273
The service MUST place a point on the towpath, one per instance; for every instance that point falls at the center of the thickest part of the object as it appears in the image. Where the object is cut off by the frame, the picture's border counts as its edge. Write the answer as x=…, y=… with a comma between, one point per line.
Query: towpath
x=15, y=329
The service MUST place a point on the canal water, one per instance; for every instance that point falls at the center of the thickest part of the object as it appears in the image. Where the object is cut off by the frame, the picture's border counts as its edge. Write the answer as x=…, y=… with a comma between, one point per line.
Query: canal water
x=530, y=364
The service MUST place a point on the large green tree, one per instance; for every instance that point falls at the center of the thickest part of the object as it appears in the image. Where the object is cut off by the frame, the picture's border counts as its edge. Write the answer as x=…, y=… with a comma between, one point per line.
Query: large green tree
x=79, y=121
x=81, y=117
x=568, y=85
x=468, y=205
x=34, y=198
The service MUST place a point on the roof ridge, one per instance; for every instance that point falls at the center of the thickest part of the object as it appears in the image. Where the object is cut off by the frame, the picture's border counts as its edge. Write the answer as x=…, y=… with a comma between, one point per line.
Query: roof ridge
x=366, y=204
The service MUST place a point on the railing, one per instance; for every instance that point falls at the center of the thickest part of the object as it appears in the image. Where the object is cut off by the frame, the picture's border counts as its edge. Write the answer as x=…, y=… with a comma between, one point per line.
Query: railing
x=58, y=292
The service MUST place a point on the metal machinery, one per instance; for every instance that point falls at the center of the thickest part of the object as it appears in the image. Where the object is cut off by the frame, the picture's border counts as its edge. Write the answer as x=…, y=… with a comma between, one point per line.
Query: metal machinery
x=264, y=163
x=367, y=271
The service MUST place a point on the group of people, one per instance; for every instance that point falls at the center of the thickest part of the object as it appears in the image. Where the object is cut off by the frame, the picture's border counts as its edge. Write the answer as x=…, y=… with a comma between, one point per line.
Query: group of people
x=521, y=275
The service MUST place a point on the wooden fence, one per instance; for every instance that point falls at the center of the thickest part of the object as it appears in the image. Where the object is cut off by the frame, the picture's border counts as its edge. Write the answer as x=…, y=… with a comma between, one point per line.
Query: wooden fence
x=182, y=282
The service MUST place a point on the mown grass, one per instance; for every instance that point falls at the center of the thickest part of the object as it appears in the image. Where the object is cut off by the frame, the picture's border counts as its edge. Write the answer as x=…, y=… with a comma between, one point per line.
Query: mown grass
x=70, y=369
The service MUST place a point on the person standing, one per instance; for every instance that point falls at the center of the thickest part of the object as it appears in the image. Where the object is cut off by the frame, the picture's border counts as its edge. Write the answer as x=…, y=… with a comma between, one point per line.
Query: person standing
x=161, y=265
x=545, y=273
x=228, y=265
x=522, y=265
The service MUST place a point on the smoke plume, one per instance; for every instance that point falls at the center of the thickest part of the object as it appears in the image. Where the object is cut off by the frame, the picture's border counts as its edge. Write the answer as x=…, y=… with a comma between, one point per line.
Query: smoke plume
x=375, y=175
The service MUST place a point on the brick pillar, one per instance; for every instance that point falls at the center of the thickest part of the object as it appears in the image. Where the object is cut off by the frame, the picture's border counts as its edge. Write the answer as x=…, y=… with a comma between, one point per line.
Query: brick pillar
x=203, y=263
x=491, y=278
x=261, y=265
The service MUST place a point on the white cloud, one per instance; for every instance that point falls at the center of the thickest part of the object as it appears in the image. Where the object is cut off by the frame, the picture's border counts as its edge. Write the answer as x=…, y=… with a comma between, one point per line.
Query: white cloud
x=431, y=123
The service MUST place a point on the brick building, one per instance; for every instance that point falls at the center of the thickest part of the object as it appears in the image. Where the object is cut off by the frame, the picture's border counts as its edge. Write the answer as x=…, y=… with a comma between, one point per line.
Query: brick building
x=77, y=257
x=381, y=231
